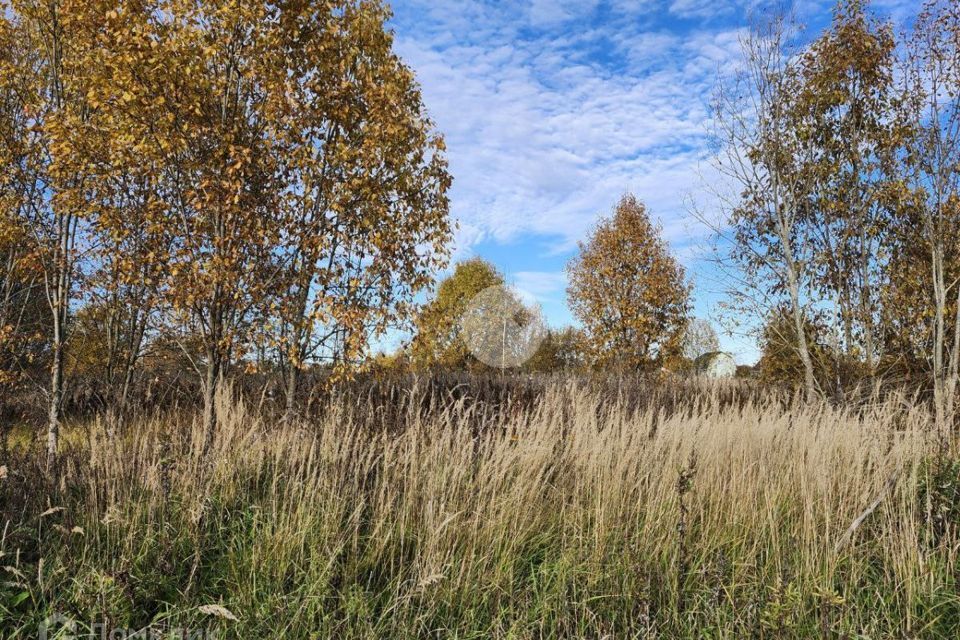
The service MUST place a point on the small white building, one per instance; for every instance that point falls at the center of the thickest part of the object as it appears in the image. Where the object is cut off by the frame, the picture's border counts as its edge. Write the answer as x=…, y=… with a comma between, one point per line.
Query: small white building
x=717, y=364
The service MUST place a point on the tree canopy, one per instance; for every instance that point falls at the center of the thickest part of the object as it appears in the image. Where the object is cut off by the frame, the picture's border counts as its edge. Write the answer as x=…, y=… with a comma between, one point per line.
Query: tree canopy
x=628, y=291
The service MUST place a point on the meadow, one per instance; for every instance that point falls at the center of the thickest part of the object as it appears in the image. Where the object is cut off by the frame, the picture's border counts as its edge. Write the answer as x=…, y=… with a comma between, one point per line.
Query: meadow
x=552, y=508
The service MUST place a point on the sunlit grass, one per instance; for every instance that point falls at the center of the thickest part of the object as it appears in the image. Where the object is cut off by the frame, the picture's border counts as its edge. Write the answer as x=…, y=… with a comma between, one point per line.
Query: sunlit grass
x=574, y=517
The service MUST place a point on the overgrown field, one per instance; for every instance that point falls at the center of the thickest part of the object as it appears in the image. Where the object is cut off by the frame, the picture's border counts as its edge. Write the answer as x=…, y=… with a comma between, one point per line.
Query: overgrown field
x=578, y=512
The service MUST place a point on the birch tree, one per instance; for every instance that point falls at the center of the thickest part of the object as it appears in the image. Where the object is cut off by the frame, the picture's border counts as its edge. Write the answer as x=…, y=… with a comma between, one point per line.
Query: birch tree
x=49, y=83
x=365, y=185
x=185, y=87
x=846, y=105
x=931, y=160
x=764, y=152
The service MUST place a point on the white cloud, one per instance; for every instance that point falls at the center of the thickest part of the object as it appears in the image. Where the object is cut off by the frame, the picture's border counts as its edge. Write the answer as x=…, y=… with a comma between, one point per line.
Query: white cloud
x=552, y=12
x=541, y=284
x=543, y=138
x=702, y=9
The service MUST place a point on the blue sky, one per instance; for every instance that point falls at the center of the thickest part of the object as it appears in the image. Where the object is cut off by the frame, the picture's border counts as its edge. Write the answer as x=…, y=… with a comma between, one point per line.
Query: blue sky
x=552, y=109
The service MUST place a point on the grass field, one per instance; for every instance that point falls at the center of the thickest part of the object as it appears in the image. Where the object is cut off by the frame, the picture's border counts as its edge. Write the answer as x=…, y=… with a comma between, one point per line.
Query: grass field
x=578, y=513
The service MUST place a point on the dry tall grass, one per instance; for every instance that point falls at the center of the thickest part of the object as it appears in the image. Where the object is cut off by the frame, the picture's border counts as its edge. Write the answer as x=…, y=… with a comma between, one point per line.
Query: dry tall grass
x=575, y=516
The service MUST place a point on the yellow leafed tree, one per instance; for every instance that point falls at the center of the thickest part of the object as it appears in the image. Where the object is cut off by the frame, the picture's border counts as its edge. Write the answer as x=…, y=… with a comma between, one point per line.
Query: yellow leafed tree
x=628, y=292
